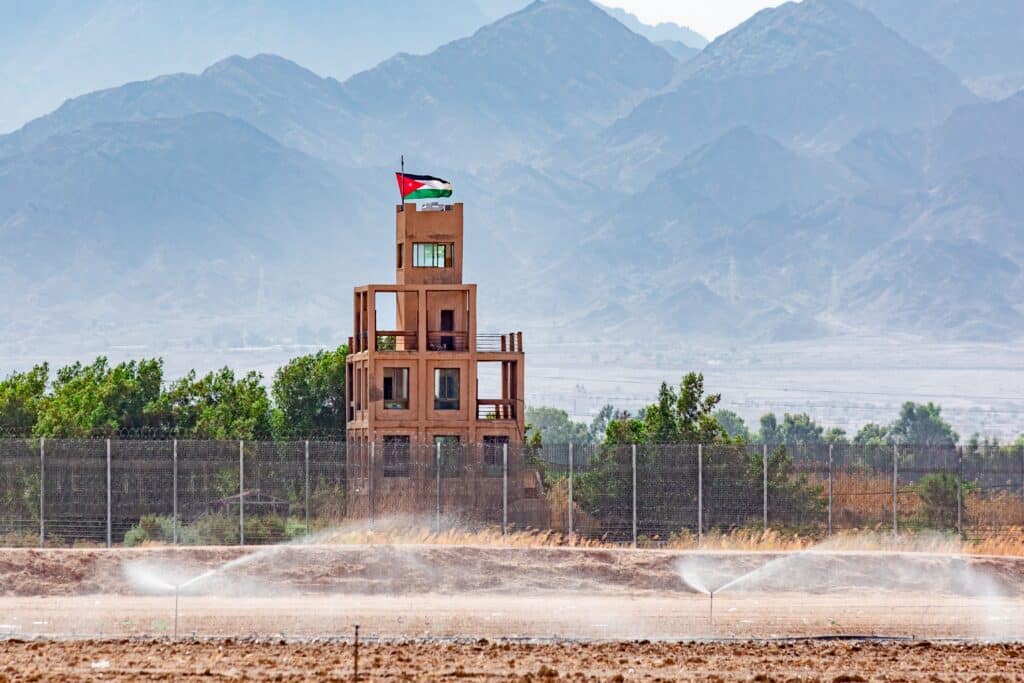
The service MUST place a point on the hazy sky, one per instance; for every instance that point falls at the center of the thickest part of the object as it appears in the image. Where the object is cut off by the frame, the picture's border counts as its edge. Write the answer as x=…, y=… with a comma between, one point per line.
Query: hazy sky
x=710, y=18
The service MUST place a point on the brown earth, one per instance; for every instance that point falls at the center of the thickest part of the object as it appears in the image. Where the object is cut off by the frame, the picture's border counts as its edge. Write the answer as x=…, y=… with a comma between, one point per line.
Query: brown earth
x=424, y=591
x=404, y=569
x=846, y=661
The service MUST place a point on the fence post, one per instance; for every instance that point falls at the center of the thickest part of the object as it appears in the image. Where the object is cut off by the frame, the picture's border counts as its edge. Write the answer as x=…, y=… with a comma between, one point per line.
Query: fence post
x=504, y=489
x=764, y=485
x=372, y=458
x=572, y=538
x=830, y=489
x=437, y=501
x=634, y=495
x=174, y=493
x=307, y=487
x=42, y=491
x=108, y=494
x=241, y=492
x=700, y=494
x=959, y=491
x=895, y=488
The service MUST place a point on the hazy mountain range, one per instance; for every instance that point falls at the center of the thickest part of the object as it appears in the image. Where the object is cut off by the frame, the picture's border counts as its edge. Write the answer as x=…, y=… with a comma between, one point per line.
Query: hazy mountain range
x=821, y=169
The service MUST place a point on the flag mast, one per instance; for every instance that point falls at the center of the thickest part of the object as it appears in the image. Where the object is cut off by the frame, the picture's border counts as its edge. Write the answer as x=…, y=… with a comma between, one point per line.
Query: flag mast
x=401, y=187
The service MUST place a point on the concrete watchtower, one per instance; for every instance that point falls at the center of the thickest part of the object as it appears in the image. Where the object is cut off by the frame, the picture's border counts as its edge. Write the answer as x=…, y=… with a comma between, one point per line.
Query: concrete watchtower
x=418, y=382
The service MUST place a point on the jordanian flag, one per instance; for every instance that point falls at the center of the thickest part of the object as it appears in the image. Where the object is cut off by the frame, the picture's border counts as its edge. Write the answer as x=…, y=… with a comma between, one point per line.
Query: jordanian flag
x=422, y=186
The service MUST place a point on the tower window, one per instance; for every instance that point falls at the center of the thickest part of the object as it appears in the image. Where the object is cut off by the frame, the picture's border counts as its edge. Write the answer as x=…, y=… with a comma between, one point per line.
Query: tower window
x=433, y=254
x=396, y=388
x=446, y=389
x=398, y=255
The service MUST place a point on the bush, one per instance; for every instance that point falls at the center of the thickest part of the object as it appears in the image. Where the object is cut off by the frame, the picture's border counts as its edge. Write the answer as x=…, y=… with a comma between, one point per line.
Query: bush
x=151, y=528
x=938, y=494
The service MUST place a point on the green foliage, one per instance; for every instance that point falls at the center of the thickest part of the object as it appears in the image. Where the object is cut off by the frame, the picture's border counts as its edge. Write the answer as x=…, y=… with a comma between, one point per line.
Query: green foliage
x=922, y=424
x=99, y=399
x=21, y=394
x=733, y=425
x=213, y=530
x=554, y=426
x=872, y=434
x=219, y=406
x=836, y=435
x=686, y=416
x=309, y=393
x=599, y=425
x=938, y=493
x=155, y=529
x=793, y=500
x=796, y=429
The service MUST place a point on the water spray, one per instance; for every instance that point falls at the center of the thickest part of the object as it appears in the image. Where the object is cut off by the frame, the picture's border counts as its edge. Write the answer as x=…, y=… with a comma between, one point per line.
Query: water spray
x=177, y=590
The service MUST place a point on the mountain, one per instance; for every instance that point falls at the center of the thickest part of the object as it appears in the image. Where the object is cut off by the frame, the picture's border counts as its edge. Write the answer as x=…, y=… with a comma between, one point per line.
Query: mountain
x=665, y=31
x=808, y=173
x=813, y=74
x=171, y=218
x=279, y=97
x=55, y=49
x=508, y=90
x=557, y=67
x=981, y=42
x=682, y=53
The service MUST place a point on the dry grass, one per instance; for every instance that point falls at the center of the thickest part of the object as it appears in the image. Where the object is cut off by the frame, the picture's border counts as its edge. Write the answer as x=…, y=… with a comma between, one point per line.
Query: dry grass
x=1009, y=542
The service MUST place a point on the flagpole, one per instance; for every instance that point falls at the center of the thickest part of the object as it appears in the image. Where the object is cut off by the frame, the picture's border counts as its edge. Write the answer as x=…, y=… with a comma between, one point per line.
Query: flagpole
x=401, y=188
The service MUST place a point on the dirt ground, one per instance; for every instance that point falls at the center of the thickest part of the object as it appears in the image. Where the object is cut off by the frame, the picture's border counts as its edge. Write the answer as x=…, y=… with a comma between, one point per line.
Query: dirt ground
x=424, y=591
x=845, y=661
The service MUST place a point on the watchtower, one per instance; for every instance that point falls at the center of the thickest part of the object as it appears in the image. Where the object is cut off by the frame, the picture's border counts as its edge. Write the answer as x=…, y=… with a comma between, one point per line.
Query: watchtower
x=417, y=380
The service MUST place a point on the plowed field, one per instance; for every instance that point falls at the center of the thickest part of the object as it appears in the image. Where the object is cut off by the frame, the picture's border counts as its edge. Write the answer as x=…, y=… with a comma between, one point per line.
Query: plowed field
x=485, y=660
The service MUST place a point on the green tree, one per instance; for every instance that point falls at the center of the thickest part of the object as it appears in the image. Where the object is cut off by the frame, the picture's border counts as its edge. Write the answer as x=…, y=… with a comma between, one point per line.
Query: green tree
x=98, y=399
x=921, y=424
x=938, y=494
x=733, y=425
x=309, y=393
x=219, y=406
x=769, y=432
x=21, y=394
x=599, y=425
x=683, y=416
x=555, y=426
x=801, y=429
x=835, y=435
x=872, y=434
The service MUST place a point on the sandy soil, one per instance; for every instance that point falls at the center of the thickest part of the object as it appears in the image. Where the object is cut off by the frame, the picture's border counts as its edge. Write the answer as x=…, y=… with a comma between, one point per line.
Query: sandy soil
x=397, y=591
x=485, y=660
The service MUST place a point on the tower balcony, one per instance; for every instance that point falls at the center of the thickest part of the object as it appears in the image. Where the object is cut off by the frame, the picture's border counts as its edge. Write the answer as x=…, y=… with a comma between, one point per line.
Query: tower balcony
x=442, y=340
x=495, y=409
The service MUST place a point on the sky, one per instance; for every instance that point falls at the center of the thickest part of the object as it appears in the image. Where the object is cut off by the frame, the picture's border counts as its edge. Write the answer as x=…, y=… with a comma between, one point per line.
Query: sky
x=710, y=18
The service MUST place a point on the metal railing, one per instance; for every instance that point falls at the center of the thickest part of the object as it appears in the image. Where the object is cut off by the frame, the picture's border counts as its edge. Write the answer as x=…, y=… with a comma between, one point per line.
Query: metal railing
x=447, y=341
x=396, y=340
x=500, y=343
x=495, y=409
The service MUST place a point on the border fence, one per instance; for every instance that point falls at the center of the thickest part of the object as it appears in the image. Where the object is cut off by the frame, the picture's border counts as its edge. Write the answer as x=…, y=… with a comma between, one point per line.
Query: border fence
x=64, y=492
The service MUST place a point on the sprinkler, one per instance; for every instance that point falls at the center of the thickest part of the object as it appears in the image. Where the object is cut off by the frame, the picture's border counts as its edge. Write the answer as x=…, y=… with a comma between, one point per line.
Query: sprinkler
x=355, y=655
x=711, y=610
x=177, y=589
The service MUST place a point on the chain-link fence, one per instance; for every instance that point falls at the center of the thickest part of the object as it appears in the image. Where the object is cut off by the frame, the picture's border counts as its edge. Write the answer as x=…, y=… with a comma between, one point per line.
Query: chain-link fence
x=114, y=492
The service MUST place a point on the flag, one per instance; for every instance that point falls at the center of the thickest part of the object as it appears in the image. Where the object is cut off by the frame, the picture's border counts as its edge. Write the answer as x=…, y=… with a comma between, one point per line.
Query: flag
x=422, y=186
